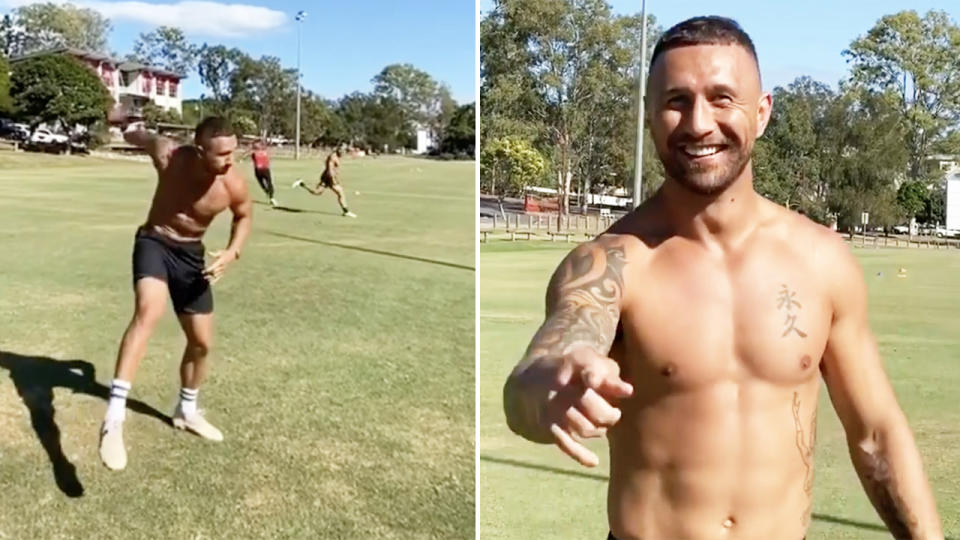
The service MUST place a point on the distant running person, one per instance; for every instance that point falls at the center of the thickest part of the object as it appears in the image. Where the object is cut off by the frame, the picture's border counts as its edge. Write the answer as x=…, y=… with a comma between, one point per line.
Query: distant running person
x=195, y=183
x=330, y=179
x=261, y=169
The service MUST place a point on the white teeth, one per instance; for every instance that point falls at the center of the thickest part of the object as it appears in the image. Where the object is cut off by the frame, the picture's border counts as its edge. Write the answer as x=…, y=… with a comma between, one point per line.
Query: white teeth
x=700, y=151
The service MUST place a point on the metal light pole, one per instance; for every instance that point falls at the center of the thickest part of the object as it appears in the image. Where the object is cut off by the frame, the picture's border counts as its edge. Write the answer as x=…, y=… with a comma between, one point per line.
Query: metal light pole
x=301, y=15
x=201, y=106
x=638, y=174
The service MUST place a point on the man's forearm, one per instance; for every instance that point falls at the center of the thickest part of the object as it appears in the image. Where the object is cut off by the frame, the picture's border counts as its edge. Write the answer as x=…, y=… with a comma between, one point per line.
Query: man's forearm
x=239, y=231
x=583, y=311
x=522, y=416
x=137, y=135
x=891, y=471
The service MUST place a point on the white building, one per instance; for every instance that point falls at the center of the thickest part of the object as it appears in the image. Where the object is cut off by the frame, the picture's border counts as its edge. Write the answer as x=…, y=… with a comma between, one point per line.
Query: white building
x=129, y=83
x=950, y=165
x=952, y=202
x=425, y=141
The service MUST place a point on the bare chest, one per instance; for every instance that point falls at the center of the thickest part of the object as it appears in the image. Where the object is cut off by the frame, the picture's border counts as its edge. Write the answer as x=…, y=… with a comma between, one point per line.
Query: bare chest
x=180, y=192
x=697, y=322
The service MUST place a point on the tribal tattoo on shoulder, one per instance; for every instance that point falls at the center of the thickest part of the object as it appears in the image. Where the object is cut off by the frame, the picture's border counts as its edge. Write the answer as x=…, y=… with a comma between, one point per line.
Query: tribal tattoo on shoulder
x=583, y=302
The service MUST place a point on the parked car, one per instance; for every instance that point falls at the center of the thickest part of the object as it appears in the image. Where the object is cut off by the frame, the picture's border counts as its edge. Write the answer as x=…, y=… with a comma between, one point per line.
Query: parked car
x=901, y=229
x=17, y=132
x=45, y=136
x=943, y=232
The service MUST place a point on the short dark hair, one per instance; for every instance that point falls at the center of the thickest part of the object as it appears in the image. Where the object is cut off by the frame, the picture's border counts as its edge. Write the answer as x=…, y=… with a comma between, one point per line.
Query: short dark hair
x=709, y=30
x=214, y=126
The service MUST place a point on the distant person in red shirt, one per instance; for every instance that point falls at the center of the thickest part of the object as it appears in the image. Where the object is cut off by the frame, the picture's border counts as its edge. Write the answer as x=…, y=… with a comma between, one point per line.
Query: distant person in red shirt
x=261, y=169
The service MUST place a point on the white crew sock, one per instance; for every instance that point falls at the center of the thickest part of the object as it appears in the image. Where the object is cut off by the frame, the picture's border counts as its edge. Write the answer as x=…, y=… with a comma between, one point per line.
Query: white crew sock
x=117, y=406
x=188, y=400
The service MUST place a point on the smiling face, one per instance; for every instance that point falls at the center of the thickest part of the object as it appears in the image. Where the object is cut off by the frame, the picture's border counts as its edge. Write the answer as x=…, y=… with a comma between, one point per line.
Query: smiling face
x=706, y=110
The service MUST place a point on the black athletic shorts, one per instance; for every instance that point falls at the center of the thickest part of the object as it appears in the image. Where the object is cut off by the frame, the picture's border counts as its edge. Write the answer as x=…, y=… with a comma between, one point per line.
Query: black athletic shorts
x=327, y=180
x=180, y=264
x=263, y=175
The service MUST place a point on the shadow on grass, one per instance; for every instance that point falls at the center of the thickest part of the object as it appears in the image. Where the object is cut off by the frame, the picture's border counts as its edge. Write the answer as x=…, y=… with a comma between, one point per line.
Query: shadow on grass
x=604, y=478
x=374, y=251
x=291, y=210
x=35, y=377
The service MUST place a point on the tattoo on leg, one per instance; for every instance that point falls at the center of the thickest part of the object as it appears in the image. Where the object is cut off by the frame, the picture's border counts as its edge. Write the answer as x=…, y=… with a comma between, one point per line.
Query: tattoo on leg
x=585, y=310
x=806, y=454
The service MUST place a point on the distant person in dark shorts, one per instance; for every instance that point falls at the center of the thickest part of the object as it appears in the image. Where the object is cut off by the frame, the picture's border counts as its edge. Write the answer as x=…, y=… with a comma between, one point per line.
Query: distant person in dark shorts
x=330, y=178
x=261, y=169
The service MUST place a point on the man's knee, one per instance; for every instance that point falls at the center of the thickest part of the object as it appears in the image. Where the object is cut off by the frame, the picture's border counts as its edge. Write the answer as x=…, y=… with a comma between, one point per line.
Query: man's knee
x=199, y=348
x=147, y=314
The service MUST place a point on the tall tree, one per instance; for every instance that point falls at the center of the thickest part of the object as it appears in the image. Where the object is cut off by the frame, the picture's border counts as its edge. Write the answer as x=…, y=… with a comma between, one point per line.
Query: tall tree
x=318, y=119
x=866, y=157
x=6, y=103
x=422, y=99
x=790, y=160
x=166, y=47
x=264, y=88
x=934, y=206
x=510, y=164
x=216, y=65
x=911, y=198
x=46, y=25
x=374, y=121
x=563, y=73
x=459, y=135
x=58, y=89
x=916, y=59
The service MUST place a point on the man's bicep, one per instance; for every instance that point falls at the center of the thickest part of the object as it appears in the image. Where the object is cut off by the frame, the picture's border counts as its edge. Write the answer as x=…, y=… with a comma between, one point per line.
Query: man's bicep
x=852, y=367
x=242, y=204
x=583, y=300
x=160, y=149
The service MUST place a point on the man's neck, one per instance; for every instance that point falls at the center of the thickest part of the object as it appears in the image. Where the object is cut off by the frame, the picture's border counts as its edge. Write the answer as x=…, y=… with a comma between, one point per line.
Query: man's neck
x=723, y=219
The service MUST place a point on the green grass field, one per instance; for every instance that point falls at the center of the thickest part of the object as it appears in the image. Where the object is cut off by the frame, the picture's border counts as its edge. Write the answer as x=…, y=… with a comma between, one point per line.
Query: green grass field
x=342, y=373
x=532, y=491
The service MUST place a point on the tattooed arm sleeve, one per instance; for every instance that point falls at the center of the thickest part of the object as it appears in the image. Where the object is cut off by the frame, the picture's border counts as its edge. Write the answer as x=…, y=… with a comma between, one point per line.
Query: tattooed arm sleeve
x=583, y=310
x=881, y=445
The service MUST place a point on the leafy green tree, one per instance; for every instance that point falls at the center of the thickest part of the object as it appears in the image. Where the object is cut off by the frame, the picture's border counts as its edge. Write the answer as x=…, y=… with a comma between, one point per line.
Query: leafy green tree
x=6, y=103
x=60, y=90
x=166, y=47
x=915, y=59
x=421, y=98
x=509, y=164
x=154, y=114
x=459, y=135
x=46, y=25
x=563, y=74
x=911, y=198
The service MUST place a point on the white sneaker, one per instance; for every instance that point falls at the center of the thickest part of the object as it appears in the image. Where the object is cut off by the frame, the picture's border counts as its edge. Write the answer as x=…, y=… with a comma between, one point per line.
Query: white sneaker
x=349, y=214
x=298, y=183
x=196, y=424
x=112, y=452
x=274, y=203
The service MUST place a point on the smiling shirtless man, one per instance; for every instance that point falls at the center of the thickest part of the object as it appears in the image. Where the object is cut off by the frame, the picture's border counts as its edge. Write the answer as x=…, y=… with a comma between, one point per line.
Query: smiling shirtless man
x=195, y=183
x=695, y=331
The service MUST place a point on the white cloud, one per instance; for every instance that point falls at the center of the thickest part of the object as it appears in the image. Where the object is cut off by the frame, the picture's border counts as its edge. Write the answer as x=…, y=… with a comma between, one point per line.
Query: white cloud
x=197, y=18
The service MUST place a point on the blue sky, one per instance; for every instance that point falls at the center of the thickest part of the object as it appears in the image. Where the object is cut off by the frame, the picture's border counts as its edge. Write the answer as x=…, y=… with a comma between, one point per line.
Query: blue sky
x=792, y=38
x=344, y=44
